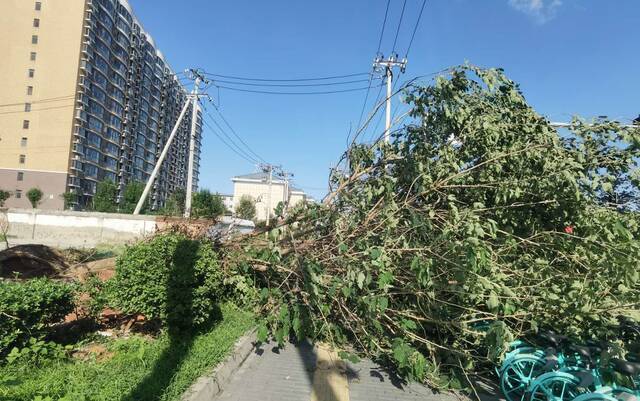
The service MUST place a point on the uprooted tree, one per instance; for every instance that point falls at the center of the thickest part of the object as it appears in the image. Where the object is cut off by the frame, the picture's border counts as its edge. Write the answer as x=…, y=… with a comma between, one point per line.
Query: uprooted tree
x=478, y=224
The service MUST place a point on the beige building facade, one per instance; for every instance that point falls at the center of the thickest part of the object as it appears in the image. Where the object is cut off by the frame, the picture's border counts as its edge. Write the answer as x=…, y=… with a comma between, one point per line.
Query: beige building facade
x=266, y=197
x=86, y=97
x=40, y=50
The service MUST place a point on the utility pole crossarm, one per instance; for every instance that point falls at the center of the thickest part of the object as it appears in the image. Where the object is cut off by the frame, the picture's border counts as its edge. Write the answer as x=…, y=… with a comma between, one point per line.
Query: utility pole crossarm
x=381, y=64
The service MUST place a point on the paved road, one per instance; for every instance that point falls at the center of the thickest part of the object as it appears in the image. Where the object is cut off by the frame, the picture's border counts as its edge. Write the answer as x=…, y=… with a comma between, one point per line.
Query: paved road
x=296, y=373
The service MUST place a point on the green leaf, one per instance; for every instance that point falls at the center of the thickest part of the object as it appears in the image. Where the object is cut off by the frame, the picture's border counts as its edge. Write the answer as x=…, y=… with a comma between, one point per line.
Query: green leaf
x=361, y=278
x=262, y=333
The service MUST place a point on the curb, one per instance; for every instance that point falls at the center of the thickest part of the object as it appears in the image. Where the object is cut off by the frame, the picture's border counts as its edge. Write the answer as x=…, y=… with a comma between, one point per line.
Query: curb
x=209, y=386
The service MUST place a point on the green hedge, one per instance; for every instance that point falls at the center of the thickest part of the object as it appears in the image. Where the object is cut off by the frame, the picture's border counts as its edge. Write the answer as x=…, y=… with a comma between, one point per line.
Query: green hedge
x=28, y=308
x=170, y=278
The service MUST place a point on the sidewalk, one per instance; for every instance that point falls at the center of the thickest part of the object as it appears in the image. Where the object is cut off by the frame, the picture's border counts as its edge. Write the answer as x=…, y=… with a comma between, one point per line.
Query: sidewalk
x=300, y=373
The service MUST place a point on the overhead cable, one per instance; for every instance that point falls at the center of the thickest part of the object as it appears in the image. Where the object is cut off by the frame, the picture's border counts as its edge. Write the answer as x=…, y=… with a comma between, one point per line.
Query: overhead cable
x=291, y=93
x=286, y=80
x=399, y=25
x=413, y=35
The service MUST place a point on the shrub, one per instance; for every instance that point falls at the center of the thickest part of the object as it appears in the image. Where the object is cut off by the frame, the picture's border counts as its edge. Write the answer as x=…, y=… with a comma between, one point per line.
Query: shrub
x=27, y=308
x=170, y=278
x=35, y=196
x=4, y=195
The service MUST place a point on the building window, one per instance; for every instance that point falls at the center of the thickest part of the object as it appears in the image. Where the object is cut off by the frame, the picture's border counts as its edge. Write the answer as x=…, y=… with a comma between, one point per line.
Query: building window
x=33, y=56
x=27, y=107
x=25, y=124
x=20, y=176
x=18, y=194
x=36, y=22
x=29, y=90
x=38, y=5
x=23, y=142
x=22, y=159
x=34, y=39
x=32, y=73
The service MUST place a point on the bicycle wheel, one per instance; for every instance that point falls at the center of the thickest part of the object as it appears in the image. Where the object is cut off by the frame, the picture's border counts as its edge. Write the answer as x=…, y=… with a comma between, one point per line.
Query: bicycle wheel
x=517, y=373
x=554, y=386
x=595, y=397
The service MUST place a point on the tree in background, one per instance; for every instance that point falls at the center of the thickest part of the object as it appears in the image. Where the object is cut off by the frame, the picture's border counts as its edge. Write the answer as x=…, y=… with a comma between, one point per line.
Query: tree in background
x=35, y=196
x=4, y=229
x=174, y=205
x=105, y=199
x=132, y=193
x=207, y=205
x=69, y=199
x=4, y=195
x=246, y=208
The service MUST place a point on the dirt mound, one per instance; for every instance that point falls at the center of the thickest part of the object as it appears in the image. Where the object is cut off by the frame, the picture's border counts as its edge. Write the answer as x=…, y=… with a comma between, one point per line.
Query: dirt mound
x=31, y=261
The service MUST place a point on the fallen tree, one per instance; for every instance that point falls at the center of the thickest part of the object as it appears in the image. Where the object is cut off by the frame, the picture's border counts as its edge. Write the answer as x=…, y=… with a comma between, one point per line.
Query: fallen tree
x=478, y=224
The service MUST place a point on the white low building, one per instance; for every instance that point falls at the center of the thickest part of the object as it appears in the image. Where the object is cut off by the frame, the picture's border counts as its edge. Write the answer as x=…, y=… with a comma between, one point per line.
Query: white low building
x=256, y=186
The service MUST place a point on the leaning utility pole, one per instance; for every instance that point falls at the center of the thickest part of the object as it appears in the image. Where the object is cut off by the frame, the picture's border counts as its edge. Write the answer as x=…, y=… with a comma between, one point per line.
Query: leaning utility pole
x=192, y=99
x=156, y=169
x=378, y=65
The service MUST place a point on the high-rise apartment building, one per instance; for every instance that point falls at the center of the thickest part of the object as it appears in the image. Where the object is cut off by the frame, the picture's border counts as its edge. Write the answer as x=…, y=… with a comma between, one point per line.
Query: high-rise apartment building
x=86, y=96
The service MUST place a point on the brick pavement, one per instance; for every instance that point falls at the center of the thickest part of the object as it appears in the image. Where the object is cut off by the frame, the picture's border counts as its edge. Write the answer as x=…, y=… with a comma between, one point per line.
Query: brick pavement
x=272, y=374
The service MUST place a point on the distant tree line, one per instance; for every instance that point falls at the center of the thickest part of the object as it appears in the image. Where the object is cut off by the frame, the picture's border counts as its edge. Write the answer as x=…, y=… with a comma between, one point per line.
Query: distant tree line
x=204, y=204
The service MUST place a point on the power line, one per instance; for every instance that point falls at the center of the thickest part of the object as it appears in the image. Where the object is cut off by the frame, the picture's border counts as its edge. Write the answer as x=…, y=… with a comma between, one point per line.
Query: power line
x=46, y=100
x=293, y=85
x=227, y=144
x=234, y=146
x=399, y=25
x=413, y=35
x=233, y=131
x=36, y=110
x=291, y=93
x=366, y=96
x=287, y=80
x=384, y=24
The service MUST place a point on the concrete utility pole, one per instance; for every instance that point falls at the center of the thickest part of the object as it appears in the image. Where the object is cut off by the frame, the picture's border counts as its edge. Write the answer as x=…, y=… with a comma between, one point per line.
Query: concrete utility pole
x=380, y=64
x=287, y=191
x=192, y=149
x=192, y=99
x=270, y=169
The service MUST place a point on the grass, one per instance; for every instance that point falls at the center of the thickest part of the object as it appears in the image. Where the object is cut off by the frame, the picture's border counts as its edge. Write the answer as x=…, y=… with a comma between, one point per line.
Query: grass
x=139, y=369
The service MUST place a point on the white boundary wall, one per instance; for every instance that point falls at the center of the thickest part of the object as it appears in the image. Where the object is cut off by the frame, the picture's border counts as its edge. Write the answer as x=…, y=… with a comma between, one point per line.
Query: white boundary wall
x=76, y=229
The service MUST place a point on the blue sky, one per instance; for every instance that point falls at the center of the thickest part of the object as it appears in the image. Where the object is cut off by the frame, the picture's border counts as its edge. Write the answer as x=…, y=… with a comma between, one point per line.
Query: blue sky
x=570, y=57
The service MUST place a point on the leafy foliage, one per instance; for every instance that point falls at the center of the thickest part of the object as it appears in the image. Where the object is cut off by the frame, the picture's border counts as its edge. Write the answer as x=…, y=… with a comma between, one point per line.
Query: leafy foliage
x=174, y=205
x=28, y=308
x=246, y=208
x=69, y=199
x=35, y=196
x=99, y=294
x=37, y=353
x=207, y=205
x=477, y=212
x=279, y=210
x=106, y=197
x=131, y=196
x=4, y=195
x=170, y=278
